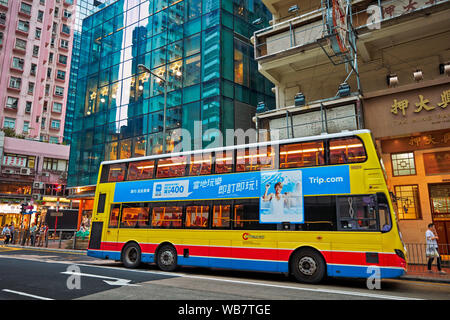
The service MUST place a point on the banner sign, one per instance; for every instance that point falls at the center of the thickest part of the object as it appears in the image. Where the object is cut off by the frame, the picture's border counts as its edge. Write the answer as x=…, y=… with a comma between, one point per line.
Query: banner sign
x=280, y=192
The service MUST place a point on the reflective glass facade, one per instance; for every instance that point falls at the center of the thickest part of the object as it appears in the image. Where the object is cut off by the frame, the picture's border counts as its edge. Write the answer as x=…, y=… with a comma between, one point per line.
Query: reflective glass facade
x=201, y=48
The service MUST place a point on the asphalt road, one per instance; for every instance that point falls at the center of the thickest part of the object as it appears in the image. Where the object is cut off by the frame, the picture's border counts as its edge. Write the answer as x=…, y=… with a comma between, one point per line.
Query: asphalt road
x=51, y=275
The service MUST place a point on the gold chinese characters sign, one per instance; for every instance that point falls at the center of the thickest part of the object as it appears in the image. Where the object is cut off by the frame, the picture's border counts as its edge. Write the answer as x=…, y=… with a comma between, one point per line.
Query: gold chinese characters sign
x=437, y=162
x=410, y=112
x=425, y=140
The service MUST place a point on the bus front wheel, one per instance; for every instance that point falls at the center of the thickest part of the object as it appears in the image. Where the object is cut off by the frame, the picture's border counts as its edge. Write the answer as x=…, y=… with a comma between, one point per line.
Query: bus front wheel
x=131, y=255
x=308, y=266
x=167, y=258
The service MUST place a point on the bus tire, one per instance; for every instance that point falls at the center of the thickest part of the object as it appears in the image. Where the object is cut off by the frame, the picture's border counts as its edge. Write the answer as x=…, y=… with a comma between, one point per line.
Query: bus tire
x=308, y=265
x=166, y=258
x=131, y=255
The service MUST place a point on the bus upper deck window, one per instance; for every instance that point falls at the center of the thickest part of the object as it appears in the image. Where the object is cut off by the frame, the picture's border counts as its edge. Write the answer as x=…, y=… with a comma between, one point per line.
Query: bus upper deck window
x=117, y=172
x=140, y=170
x=347, y=150
x=200, y=164
x=224, y=161
x=302, y=155
x=171, y=167
x=254, y=159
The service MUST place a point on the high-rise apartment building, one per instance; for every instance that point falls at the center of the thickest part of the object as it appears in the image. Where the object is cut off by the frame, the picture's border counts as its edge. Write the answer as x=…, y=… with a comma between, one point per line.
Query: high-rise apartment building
x=35, y=55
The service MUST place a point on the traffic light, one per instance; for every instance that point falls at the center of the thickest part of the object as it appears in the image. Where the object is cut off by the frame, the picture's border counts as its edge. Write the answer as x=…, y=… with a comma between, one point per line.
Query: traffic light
x=23, y=208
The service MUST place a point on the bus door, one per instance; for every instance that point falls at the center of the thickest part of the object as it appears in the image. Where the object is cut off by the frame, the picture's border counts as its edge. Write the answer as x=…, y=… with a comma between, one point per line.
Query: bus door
x=110, y=244
x=252, y=248
x=220, y=240
x=357, y=244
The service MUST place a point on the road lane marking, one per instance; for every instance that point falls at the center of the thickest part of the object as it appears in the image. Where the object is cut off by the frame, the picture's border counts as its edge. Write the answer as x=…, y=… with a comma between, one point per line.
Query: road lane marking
x=26, y=294
x=113, y=281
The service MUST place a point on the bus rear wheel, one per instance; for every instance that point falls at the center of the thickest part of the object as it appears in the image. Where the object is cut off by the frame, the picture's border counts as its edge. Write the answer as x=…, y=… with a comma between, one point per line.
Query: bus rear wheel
x=131, y=255
x=308, y=266
x=166, y=259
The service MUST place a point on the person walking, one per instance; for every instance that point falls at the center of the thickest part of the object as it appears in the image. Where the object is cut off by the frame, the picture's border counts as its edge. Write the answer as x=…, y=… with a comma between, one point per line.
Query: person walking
x=432, y=248
x=7, y=233
x=11, y=229
x=33, y=233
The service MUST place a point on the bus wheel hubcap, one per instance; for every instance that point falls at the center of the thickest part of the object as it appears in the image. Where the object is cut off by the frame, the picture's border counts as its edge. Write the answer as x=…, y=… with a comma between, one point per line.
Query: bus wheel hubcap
x=167, y=258
x=132, y=255
x=307, y=266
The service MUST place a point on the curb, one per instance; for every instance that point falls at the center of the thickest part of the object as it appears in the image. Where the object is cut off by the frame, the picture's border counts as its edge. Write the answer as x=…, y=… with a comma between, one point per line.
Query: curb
x=46, y=249
x=427, y=279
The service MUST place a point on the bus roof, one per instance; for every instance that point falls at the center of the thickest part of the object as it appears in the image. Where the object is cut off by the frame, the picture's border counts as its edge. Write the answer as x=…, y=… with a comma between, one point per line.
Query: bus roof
x=345, y=133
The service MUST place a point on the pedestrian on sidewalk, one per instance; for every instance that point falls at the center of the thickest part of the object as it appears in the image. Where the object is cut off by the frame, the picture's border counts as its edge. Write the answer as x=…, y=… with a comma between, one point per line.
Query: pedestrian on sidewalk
x=7, y=233
x=33, y=234
x=11, y=228
x=432, y=248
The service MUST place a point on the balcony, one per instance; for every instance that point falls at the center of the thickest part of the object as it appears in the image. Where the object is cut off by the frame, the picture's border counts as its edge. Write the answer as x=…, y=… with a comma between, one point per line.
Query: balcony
x=4, y=5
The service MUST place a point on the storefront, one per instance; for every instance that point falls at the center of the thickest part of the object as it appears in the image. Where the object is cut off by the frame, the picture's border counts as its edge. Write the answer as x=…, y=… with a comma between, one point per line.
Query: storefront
x=10, y=213
x=412, y=131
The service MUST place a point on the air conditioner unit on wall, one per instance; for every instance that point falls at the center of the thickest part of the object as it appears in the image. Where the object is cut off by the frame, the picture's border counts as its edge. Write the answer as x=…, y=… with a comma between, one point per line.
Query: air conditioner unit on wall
x=8, y=171
x=37, y=196
x=38, y=185
x=45, y=174
x=25, y=171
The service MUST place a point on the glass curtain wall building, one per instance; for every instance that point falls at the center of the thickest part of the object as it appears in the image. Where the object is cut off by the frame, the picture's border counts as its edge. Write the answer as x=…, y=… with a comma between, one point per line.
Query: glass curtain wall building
x=84, y=8
x=201, y=48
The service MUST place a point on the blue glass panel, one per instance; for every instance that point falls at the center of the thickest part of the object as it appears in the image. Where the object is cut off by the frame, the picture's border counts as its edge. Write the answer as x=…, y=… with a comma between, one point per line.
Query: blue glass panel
x=191, y=94
x=210, y=88
x=192, y=27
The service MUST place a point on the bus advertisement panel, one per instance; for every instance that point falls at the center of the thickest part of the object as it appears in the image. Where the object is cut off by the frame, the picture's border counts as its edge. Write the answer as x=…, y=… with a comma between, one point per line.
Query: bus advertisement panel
x=280, y=192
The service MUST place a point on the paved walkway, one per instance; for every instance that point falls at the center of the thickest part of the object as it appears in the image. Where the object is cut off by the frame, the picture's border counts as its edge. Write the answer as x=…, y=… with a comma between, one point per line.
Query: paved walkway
x=414, y=272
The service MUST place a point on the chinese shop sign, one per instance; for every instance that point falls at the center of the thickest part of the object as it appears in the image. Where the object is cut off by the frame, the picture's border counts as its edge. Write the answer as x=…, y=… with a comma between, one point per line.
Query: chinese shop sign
x=437, y=162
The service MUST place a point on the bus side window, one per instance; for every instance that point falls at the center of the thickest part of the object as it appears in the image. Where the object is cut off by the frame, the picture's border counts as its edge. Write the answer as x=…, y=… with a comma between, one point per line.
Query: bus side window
x=114, y=216
x=357, y=213
x=221, y=216
x=224, y=162
x=384, y=213
x=347, y=150
x=117, y=172
x=200, y=164
x=134, y=215
x=197, y=216
x=304, y=154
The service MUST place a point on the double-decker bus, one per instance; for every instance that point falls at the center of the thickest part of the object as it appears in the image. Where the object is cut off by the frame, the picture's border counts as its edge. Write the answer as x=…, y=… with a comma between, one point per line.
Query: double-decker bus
x=311, y=207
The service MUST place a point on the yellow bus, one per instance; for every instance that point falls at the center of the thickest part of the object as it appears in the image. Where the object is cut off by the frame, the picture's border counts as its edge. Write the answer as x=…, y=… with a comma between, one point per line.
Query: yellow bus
x=311, y=207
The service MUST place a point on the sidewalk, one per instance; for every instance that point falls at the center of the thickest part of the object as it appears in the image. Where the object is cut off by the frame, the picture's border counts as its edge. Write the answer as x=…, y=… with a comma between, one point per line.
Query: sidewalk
x=415, y=272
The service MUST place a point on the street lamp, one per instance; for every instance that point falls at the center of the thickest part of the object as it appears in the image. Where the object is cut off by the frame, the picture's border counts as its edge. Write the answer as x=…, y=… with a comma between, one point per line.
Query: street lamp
x=158, y=80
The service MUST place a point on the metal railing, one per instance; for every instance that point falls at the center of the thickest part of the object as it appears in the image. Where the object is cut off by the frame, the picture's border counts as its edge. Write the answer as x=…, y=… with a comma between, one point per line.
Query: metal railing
x=52, y=238
x=418, y=260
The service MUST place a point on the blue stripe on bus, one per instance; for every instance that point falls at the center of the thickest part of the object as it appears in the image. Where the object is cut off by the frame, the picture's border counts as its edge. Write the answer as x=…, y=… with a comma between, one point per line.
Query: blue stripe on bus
x=362, y=271
x=347, y=271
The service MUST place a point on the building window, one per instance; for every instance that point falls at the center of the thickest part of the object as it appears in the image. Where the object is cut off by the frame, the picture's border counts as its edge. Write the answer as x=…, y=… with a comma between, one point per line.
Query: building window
x=2, y=17
x=43, y=121
x=37, y=33
x=35, y=51
x=40, y=15
x=15, y=82
x=55, y=124
x=28, y=106
x=23, y=26
x=65, y=29
x=21, y=44
x=26, y=126
x=408, y=204
x=33, y=69
x=50, y=57
x=54, y=140
x=56, y=12
x=64, y=44
x=18, y=63
x=11, y=103
x=54, y=164
x=61, y=74
x=1, y=38
x=403, y=164
x=49, y=73
x=9, y=123
x=67, y=14
x=30, y=87
x=47, y=89
x=25, y=8
x=57, y=107
x=62, y=59
x=59, y=91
